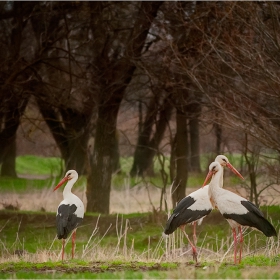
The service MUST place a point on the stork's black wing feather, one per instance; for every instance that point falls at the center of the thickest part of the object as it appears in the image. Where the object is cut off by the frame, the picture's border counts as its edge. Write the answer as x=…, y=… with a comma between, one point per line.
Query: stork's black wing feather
x=66, y=220
x=182, y=215
x=253, y=218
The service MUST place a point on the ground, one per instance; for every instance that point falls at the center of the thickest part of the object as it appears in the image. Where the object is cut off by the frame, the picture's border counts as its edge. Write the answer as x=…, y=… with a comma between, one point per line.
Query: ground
x=28, y=247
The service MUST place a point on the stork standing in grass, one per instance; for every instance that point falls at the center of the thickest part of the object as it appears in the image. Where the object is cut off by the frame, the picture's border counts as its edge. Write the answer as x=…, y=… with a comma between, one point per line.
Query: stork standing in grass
x=237, y=210
x=70, y=211
x=195, y=207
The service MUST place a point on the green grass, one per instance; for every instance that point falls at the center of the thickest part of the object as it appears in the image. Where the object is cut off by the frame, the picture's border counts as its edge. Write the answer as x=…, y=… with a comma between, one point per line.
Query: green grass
x=195, y=180
x=50, y=170
x=35, y=165
x=24, y=232
x=82, y=269
x=135, y=270
x=127, y=274
x=21, y=184
x=34, y=232
x=261, y=260
x=229, y=271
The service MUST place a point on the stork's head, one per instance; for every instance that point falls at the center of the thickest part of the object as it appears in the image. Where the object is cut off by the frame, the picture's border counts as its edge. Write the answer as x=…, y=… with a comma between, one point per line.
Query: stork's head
x=70, y=175
x=214, y=167
x=224, y=162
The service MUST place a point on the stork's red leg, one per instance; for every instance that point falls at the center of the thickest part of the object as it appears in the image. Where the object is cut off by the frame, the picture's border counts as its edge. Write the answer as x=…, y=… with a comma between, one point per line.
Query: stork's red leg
x=194, y=233
x=73, y=243
x=193, y=247
x=63, y=245
x=235, y=244
x=241, y=243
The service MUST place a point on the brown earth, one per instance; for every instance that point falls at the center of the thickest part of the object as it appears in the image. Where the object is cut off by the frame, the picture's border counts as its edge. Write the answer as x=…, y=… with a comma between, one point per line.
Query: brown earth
x=94, y=267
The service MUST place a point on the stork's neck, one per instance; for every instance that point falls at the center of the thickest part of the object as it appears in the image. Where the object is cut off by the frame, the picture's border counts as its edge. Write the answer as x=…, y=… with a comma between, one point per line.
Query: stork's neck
x=221, y=181
x=67, y=189
x=215, y=186
x=216, y=181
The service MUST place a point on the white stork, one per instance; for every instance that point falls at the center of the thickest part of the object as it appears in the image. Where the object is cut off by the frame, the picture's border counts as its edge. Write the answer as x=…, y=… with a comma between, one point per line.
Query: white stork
x=195, y=207
x=70, y=211
x=237, y=210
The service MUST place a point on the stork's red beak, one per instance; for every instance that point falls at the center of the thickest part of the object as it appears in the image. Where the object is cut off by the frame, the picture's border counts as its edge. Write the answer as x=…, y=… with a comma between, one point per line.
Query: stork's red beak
x=61, y=183
x=234, y=170
x=209, y=175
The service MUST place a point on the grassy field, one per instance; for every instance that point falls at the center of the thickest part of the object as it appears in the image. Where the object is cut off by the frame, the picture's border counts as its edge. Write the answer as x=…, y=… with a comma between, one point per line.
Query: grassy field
x=130, y=246
x=139, y=270
x=119, y=246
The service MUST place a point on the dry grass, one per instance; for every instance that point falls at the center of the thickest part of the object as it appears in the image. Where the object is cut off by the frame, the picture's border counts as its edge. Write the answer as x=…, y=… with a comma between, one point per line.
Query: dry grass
x=168, y=249
x=122, y=256
x=128, y=200
x=126, y=253
x=141, y=198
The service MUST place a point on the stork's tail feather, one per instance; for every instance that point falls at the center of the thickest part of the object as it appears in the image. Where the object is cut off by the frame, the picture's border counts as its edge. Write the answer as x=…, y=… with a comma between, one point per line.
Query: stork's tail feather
x=62, y=233
x=170, y=226
x=253, y=218
x=267, y=228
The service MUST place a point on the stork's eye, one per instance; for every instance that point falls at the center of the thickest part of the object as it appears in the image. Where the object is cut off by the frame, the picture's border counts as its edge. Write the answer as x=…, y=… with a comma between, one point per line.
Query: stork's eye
x=224, y=160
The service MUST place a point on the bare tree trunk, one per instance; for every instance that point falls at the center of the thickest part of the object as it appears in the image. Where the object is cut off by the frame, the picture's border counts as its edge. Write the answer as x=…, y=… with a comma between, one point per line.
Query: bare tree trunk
x=172, y=169
x=101, y=164
x=115, y=74
x=9, y=161
x=145, y=151
x=72, y=138
x=252, y=166
x=116, y=168
x=253, y=180
x=194, y=145
x=140, y=159
x=13, y=97
x=218, y=133
x=181, y=152
x=193, y=110
x=10, y=122
x=164, y=118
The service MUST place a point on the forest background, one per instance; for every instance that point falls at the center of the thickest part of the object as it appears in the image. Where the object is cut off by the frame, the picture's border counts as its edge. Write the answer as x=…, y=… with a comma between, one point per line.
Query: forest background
x=94, y=82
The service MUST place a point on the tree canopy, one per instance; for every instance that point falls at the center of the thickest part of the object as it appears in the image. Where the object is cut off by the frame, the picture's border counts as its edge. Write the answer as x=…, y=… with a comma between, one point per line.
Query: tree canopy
x=197, y=64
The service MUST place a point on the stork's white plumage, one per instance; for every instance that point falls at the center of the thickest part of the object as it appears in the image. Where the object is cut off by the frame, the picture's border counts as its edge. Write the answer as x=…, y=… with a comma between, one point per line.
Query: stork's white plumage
x=195, y=207
x=237, y=210
x=70, y=211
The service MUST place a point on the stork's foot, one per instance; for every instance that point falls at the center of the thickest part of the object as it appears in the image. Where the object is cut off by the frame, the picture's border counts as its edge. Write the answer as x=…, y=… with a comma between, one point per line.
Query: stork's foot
x=195, y=256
